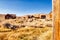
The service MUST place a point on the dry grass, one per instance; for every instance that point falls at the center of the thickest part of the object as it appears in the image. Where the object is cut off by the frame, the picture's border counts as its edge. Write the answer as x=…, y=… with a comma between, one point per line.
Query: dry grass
x=28, y=32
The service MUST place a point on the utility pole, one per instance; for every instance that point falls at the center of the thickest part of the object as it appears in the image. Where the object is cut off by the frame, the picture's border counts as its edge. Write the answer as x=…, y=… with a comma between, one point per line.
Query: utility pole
x=56, y=17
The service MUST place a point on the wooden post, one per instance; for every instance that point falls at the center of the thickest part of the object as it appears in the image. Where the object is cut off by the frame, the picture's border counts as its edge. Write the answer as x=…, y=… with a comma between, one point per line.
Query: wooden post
x=56, y=17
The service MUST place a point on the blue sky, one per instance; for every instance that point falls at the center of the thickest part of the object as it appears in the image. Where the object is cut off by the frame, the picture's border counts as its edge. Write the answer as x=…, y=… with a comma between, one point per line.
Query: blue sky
x=25, y=7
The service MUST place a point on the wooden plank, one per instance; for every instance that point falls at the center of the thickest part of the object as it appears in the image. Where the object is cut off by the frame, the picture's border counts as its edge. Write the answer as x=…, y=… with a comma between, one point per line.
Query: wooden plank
x=56, y=12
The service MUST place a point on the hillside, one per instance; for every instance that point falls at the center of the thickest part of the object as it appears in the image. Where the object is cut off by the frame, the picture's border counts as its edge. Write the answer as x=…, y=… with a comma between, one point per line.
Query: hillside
x=28, y=27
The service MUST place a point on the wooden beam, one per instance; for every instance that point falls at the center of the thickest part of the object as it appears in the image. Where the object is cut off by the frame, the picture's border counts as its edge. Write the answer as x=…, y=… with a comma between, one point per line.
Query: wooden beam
x=56, y=17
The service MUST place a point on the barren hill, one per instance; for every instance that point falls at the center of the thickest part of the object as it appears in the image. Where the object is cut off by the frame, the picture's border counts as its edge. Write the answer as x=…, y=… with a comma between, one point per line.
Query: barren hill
x=29, y=27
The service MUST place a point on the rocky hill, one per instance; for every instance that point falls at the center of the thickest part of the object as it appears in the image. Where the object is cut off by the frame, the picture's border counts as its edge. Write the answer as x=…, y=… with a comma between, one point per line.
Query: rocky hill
x=28, y=27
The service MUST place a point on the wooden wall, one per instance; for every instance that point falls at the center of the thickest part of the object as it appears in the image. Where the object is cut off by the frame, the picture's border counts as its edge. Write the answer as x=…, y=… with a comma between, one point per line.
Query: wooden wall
x=56, y=17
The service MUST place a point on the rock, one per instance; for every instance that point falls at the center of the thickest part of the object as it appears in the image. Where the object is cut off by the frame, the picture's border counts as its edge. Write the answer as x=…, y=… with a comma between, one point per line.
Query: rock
x=30, y=20
x=49, y=25
x=7, y=25
x=30, y=16
x=43, y=16
x=14, y=27
x=10, y=16
x=22, y=26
